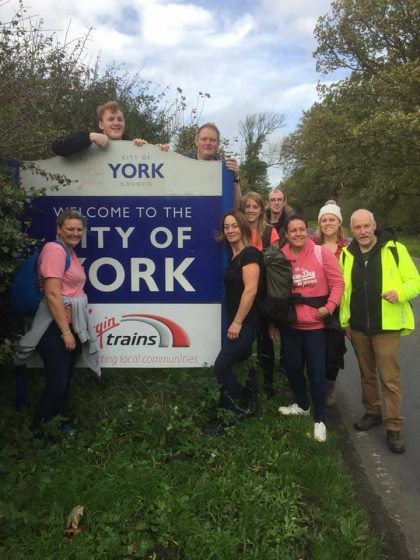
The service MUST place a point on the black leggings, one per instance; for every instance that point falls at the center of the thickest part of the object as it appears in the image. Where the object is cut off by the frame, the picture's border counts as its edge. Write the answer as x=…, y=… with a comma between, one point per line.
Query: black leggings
x=58, y=368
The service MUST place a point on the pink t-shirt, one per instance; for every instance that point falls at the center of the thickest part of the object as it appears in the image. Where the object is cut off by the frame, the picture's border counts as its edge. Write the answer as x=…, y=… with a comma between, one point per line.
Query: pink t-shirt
x=273, y=238
x=51, y=264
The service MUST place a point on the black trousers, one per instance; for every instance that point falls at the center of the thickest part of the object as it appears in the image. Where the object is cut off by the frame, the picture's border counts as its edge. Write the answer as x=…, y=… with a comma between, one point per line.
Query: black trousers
x=265, y=348
x=58, y=368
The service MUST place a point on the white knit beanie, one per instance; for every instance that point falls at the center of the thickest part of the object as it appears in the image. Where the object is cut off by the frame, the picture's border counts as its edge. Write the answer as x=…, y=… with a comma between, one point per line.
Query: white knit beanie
x=330, y=208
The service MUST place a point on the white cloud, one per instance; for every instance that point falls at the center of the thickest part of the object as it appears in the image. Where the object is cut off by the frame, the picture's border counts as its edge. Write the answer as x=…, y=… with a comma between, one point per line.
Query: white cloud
x=250, y=59
x=171, y=25
x=292, y=10
x=237, y=34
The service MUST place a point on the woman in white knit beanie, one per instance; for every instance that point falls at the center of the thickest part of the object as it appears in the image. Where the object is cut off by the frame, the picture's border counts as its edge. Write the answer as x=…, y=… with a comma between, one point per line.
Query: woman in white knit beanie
x=330, y=233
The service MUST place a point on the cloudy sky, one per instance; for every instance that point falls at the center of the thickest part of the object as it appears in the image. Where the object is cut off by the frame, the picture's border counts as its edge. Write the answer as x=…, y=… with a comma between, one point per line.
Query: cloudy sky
x=250, y=56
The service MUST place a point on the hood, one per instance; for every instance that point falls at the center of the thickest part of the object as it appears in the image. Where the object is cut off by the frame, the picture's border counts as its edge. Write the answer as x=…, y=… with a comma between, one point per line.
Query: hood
x=307, y=249
x=385, y=234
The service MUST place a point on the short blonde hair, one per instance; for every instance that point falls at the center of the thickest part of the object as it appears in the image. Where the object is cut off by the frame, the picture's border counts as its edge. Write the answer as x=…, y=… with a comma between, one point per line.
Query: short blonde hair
x=70, y=214
x=108, y=106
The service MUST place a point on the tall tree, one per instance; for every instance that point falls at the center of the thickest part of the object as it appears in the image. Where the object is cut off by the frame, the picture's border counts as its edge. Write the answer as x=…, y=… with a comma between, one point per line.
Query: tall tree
x=255, y=131
x=367, y=35
x=362, y=139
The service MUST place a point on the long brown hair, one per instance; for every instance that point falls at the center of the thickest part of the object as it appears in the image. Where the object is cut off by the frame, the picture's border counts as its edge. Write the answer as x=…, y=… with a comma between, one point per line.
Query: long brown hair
x=319, y=237
x=242, y=224
x=262, y=220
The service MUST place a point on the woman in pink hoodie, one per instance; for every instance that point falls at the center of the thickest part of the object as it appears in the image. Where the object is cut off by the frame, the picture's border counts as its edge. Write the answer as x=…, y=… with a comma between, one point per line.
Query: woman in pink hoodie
x=317, y=288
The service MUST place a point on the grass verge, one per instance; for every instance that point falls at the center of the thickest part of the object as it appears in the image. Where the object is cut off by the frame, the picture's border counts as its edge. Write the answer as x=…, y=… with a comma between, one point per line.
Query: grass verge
x=153, y=486
x=412, y=244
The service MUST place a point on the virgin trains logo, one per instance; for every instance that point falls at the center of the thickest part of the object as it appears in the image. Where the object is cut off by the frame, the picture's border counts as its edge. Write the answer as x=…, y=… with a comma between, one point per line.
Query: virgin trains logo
x=141, y=329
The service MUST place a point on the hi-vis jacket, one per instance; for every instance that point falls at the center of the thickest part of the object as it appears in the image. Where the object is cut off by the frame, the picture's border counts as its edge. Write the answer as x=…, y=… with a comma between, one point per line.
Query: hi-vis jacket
x=387, y=267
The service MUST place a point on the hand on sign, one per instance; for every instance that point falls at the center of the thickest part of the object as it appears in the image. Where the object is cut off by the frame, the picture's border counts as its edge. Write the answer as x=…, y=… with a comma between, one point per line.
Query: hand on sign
x=233, y=166
x=139, y=142
x=99, y=139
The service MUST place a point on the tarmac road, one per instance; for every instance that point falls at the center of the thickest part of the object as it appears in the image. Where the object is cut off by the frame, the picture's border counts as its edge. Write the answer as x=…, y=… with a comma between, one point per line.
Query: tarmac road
x=395, y=479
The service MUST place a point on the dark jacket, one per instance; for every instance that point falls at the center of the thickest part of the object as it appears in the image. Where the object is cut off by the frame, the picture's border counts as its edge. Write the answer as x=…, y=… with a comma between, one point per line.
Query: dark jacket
x=279, y=226
x=387, y=266
x=74, y=143
x=366, y=302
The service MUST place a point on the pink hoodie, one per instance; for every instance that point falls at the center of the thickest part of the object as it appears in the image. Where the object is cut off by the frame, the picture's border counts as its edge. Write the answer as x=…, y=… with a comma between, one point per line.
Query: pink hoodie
x=314, y=276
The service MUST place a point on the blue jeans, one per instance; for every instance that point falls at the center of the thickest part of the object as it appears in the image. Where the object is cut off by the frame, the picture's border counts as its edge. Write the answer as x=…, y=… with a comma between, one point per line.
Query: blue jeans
x=306, y=348
x=58, y=368
x=233, y=352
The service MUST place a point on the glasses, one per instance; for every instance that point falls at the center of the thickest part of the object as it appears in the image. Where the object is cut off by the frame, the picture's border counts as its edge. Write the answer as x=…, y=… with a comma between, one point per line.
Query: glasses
x=276, y=200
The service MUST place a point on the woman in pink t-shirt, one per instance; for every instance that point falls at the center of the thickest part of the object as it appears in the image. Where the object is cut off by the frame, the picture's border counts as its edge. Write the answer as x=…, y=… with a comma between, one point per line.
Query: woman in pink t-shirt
x=58, y=346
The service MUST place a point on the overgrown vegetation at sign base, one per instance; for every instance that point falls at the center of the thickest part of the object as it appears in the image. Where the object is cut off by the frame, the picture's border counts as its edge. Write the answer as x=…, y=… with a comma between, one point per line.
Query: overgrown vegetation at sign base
x=151, y=482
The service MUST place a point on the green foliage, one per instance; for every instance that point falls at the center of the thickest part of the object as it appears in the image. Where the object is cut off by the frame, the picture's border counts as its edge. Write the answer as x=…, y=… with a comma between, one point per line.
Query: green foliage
x=367, y=35
x=12, y=204
x=36, y=76
x=187, y=138
x=14, y=220
x=151, y=482
x=361, y=140
x=412, y=244
x=47, y=90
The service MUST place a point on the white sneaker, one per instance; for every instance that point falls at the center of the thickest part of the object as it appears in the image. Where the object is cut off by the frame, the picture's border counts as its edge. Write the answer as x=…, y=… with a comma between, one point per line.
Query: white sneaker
x=320, y=431
x=293, y=410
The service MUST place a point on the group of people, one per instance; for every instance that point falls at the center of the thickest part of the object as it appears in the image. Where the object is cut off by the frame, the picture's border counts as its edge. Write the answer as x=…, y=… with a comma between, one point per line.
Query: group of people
x=317, y=281
x=359, y=288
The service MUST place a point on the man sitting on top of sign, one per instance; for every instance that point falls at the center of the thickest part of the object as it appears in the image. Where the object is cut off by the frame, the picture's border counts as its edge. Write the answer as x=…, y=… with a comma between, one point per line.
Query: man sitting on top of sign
x=112, y=126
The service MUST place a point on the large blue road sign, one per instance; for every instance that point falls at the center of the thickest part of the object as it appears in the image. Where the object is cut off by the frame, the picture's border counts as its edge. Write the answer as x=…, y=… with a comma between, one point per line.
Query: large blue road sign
x=154, y=270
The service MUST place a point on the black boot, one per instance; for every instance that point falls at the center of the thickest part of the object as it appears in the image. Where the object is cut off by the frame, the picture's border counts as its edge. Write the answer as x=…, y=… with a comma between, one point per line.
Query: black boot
x=394, y=441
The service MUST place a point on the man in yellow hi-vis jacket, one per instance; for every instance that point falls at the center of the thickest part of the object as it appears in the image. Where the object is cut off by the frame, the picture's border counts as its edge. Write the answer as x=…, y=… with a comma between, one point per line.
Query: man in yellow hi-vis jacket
x=380, y=279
